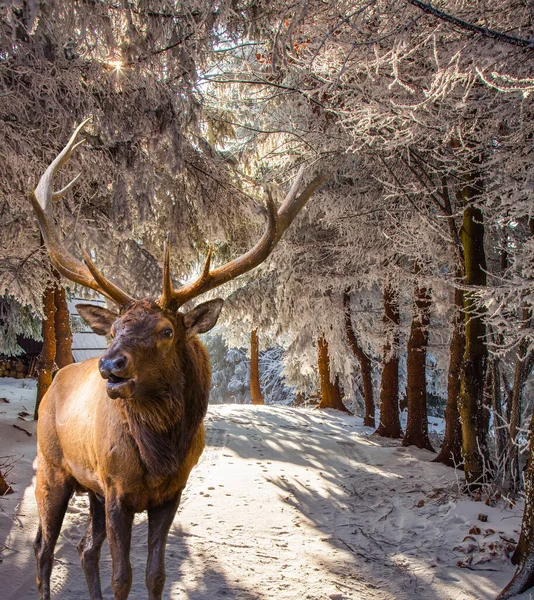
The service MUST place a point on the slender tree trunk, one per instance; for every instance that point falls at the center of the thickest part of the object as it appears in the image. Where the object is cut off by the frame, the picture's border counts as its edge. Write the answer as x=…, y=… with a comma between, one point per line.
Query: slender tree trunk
x=523, y=578
x=330, y=392
x=255, y=389
x=521, y=372
x=512, y=479
x=473, y=371
x=417, y=425
x=62, y=328
x=451, y=450
x=389, y=387
x=498, y=384
x=365, y=365
x=48, y=353
x=524, y=552
x=498, y=416
x=486, y=403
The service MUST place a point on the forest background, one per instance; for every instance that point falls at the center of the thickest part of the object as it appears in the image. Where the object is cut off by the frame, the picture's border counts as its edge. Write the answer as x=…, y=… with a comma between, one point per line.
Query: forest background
x=417, y=250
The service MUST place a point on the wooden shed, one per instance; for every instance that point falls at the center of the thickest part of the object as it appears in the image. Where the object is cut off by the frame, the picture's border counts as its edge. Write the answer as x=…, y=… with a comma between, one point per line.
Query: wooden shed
x=85, y=342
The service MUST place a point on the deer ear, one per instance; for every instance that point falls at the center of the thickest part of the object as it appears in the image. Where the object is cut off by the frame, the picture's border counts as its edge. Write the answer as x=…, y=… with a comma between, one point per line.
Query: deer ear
x=98, y=318
x=203, y=317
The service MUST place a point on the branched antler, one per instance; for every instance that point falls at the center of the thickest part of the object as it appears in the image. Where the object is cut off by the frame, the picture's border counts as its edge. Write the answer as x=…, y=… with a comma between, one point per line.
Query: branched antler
x=65, y=263
x=277, y=223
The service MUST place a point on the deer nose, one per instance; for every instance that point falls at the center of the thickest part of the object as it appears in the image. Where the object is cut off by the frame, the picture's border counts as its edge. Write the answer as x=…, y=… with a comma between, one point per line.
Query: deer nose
x=113, y=366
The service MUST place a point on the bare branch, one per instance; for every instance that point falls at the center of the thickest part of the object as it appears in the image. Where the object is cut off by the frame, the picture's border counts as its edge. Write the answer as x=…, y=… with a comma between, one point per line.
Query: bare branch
x=484, y=31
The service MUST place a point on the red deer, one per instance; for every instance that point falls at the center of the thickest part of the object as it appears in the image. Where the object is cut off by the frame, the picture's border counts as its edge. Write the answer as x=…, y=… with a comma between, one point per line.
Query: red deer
x=127, y=428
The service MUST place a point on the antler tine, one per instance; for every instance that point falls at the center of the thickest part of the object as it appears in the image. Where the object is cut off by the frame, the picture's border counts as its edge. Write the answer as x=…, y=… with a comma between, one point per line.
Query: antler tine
x=170, y=296
x=43, y=191
x=207, y=263
x=60, y=193
x=108, y=288
x=69, y=266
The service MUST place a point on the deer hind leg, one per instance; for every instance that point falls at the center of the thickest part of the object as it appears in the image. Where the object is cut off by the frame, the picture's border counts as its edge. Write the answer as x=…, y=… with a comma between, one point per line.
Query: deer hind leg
x=90, y=544
x=53, y=492
x=159, y=522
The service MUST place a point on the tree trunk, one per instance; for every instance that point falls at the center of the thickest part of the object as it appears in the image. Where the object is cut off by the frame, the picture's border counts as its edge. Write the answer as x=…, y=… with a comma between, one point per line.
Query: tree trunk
x=524, y=552
x=417, y=425
x=486, y=402
x=451, y=450
x=512, y=478
x=62, y=328
x=523, y=578
x=498, y=417
x=365, y=365
x=330, y=392
x=255, y=389
x=498, y=385
x=473, y=371
x=389, y=387
x=48, y=353
x=521, y=372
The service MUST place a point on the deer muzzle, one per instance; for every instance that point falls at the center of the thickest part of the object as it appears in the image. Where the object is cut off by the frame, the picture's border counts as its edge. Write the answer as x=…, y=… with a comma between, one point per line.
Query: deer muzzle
x=116, y=370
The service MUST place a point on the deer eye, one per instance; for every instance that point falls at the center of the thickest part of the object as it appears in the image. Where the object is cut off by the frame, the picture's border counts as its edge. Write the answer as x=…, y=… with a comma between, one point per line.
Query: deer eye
x=168, y=333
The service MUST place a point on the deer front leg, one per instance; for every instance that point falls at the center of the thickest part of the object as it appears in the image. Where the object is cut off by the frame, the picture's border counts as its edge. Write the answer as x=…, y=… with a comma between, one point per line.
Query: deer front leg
x=119, y=519
x=159, y=522
x=89, y=546
x=53, y=491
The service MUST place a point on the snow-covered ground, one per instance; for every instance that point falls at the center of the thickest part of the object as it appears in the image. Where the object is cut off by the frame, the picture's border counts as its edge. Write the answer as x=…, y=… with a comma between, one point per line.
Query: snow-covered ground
x=284, y=504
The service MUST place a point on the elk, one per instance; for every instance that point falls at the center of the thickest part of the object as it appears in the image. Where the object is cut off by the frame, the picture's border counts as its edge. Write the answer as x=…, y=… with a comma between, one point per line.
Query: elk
x=127, y=428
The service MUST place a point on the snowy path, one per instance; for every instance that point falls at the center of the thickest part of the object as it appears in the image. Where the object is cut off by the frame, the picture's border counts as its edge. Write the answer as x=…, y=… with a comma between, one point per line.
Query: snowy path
x=284, y=504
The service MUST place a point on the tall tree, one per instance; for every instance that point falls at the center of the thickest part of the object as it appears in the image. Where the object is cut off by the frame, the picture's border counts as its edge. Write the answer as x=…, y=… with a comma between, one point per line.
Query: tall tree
x=46, y=362
x=451, y=450
x=389, y=388
x=417, y=426
x=255, y=389
x=523, y=366
x=365, y=365
x=331, y=396
x=62, y=330
x=473, y=370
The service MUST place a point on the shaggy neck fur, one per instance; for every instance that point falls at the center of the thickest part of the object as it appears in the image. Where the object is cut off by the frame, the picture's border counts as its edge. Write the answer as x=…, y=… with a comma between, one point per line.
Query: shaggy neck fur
x=163, y=425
